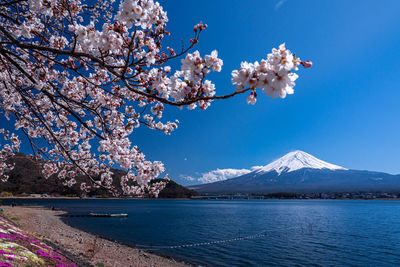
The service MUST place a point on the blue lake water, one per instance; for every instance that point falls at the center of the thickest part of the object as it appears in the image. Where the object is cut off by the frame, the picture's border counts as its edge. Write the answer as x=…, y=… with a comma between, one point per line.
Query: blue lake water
x=279, y=232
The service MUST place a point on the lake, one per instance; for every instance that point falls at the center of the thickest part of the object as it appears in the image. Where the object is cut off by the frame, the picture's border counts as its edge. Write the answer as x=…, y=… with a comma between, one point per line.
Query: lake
x=249, y=232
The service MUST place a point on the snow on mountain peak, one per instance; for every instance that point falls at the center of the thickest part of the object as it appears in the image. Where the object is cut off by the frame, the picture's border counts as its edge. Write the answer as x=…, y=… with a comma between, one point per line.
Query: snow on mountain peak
x=297, y=160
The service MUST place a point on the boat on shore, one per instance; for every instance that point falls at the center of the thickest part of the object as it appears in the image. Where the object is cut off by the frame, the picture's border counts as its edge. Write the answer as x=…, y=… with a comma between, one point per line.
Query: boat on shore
x=108, y=214
x=96, y=215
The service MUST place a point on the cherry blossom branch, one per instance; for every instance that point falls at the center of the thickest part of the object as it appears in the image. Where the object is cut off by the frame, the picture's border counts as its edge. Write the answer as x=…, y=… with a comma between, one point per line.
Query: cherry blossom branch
x=78, y=80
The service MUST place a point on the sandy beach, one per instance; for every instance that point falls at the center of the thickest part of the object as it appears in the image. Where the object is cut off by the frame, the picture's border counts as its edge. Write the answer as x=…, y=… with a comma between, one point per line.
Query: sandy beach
x=83, y=248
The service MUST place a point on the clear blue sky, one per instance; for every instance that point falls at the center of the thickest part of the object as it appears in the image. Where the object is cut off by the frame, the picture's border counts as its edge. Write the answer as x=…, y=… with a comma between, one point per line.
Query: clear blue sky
x=345, y=110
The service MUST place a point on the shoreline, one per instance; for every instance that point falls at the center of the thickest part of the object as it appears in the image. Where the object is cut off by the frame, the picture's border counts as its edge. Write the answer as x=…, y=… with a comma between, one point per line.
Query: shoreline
x=86, y=248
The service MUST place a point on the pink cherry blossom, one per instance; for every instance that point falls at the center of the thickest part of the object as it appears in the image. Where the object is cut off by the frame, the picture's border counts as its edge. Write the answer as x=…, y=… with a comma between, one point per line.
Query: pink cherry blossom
x=78, y=79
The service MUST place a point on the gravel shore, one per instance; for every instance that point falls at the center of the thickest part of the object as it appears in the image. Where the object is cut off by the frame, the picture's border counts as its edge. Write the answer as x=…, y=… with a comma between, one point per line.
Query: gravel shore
x=83, y=248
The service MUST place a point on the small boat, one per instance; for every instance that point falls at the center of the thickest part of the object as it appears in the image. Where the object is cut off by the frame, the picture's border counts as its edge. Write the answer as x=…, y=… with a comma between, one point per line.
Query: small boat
x=108, y=215
x=119, y=215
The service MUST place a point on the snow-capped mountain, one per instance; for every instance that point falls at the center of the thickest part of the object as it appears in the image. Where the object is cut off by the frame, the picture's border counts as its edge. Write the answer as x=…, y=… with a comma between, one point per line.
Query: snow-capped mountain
x=299, y=171
x=297, y=160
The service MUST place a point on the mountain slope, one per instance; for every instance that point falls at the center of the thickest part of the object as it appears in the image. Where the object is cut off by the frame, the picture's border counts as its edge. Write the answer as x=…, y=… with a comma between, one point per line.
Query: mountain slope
x=303, y=173
x=297, y=160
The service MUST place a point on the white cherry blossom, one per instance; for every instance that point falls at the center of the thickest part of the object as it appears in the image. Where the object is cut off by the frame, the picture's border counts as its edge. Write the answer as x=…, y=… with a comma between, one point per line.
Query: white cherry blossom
x=273, y=75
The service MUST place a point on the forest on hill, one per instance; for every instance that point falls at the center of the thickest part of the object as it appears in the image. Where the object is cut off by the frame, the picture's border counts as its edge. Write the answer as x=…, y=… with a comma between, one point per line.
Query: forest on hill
x=26, y=178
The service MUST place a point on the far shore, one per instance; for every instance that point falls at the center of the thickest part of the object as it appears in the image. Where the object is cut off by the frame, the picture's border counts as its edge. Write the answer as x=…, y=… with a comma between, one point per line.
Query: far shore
x=88, y=249
x=208, y=197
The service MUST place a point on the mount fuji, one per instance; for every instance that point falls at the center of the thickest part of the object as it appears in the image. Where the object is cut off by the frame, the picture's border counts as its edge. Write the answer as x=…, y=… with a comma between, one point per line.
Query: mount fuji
x=301, y=172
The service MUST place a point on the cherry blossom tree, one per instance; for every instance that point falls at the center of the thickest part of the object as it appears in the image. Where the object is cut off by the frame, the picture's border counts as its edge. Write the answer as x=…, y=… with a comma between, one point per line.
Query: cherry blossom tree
x=78, y=77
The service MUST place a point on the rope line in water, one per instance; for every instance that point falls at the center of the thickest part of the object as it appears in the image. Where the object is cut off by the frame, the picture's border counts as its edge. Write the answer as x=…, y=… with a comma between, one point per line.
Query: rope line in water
x=261, y=234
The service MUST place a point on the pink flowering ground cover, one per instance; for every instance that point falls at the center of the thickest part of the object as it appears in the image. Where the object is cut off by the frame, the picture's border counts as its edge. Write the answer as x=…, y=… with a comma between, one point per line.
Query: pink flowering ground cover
x=18, y=248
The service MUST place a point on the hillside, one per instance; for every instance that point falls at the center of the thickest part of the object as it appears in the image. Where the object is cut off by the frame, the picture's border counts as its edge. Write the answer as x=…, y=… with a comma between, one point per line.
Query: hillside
x=26, y=178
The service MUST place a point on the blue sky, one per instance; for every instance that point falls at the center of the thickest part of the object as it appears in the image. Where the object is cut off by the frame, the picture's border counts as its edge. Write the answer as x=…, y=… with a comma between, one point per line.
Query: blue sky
x=345, y=109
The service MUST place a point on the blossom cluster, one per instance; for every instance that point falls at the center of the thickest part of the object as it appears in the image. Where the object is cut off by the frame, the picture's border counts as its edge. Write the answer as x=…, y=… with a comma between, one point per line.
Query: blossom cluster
x=144, y=13
x=189, y=82
x=78, y=80
x=6, y=152
x=274, y=75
